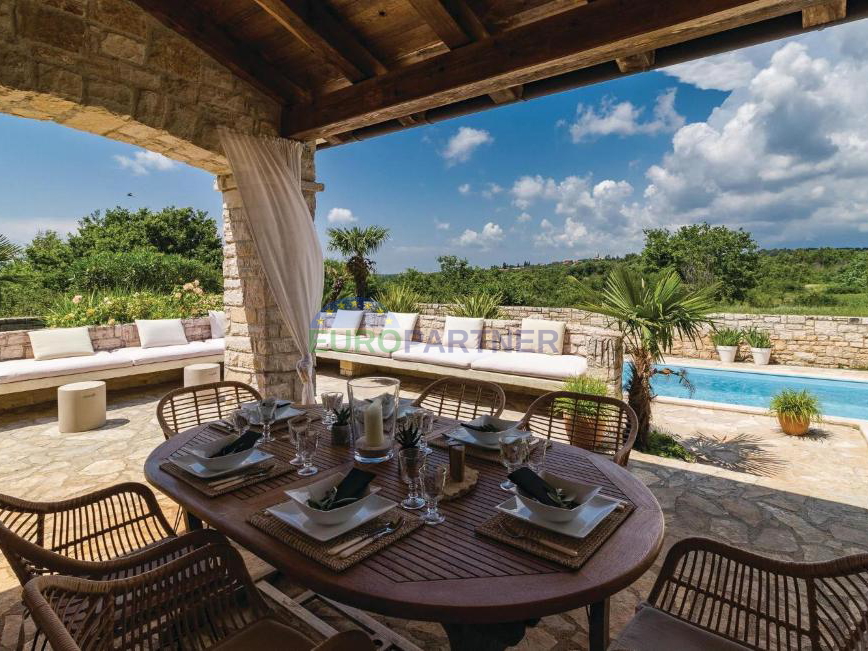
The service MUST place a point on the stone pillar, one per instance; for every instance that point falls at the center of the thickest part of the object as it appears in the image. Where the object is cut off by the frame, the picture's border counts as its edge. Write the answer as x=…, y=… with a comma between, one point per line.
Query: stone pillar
x=259, y=348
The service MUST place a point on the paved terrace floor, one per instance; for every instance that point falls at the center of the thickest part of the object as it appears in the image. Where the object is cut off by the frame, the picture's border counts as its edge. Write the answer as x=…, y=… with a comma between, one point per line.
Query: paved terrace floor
x=799, y=499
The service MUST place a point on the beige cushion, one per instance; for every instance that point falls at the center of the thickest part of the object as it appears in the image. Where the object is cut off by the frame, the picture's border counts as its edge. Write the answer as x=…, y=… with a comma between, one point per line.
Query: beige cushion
x=217, y=319
x=651, y=629
x=18, y=370
x=556, y=367
x=346, y=322
x=455, y=356
x=462, y=332
x=57, y=343
x=160, y=332
x=190, y=350
x=399, y=326
x=542, y=336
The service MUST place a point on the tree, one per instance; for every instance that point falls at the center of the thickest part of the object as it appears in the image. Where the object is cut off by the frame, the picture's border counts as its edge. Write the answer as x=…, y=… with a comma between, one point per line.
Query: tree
x=356, y=244
x=49, y=256
x=9, y=252
x=336, y=280
x=649, y=315
x=705, y=255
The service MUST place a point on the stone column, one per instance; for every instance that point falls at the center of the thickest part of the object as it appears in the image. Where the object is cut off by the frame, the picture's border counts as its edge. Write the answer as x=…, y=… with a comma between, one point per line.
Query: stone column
x=259, y=348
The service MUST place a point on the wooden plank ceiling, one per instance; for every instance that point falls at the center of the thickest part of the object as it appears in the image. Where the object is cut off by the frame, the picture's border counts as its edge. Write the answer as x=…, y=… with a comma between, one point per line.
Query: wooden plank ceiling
x=348, y=69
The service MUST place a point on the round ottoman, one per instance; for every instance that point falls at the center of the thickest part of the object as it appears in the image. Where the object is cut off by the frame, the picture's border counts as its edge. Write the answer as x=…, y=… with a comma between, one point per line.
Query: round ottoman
x=197, y=374
x=81, y=406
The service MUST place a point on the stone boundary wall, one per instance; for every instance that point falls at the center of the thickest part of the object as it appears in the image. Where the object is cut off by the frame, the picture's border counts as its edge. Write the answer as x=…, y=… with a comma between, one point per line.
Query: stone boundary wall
x=16, y=344
x=800, y=340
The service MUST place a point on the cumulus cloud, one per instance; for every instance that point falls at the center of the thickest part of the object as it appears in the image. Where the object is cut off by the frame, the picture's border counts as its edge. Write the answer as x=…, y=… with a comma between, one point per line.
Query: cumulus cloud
x=466, y=140
x=726, y=71
x=490, y=235
x=491, y=189
x=144, y=162
x=523, y=218
x=341, y=216
x=464, y=188
x=441, y=226
x=625, y=119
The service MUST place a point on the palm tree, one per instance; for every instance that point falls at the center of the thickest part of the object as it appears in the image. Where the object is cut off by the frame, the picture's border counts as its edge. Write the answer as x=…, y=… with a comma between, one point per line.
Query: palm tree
x=8, y=253
x=356, y=244
x=336, y=282
x=650, y=315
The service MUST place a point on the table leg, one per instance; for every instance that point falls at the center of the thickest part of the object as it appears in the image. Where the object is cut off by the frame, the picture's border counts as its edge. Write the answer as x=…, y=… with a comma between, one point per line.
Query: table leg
x=598, y=626
x=486, y=637
x=193, y=523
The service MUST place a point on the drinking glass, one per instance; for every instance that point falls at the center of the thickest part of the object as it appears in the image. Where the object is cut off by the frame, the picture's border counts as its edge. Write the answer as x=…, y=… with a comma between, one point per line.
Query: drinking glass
x=536, y=454
x=433, y=485
x=332, y=401
x=296, y=426
x=240, y=422
x=373, y=413
x=411, y=461
x=267, y=407
x=424, y=420
x=308, y=440
x=513, y=451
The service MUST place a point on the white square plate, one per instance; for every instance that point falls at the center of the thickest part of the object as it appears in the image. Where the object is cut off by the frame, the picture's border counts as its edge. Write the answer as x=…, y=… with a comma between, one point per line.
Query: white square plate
x=467, y=436
x=284, y=411
x=588, y=516
x=194, y=466
x=290, y=513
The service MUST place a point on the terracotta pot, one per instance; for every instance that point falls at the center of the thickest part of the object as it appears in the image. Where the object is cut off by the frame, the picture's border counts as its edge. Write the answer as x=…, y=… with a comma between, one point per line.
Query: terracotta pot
x=584, y=432
x=761, y=356
x=792, y=426
x=727, y=353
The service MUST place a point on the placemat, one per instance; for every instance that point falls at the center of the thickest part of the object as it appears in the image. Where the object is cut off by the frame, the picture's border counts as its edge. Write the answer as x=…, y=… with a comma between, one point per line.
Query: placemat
x=278, y=469
x=586, y=547
x=318, y=551
x=471, y=450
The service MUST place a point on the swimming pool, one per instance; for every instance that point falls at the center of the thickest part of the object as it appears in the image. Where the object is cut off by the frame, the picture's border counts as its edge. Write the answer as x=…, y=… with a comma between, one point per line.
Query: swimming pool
x=838, y=397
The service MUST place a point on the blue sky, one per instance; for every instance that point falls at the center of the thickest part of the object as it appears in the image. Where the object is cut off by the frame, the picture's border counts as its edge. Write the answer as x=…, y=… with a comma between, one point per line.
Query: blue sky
x=772, y=139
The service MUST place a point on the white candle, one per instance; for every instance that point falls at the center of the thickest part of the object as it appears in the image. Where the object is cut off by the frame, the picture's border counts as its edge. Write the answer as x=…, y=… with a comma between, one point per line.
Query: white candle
x=374, y=425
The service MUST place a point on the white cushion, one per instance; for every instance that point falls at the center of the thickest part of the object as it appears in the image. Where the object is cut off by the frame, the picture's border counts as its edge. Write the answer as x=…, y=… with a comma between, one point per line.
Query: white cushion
x=462, y=332
x=454, y=356
x=399, y=326
x=217, y=319
x=18, y=370
x=57, y=343
x=556, y=367
x=160, y=332
x=542, y=336
x=378, y=346
x=346, y=322
x=330, y=340
x=191, y=350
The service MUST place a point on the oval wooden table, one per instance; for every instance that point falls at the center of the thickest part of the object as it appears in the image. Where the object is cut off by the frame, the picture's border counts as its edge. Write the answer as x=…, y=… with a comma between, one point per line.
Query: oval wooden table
x=483, y=592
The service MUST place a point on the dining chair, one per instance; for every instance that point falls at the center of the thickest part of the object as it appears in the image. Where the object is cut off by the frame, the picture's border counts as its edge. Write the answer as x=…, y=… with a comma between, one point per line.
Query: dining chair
x=597, y=423
x=202, y=600
x=461, y=398
x=187, y=407
x=710, y=595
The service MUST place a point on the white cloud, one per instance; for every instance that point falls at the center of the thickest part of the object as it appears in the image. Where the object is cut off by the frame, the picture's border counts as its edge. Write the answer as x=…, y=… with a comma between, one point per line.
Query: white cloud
x=464, y=188
x=523, y=218
x=491, y=189
x=341, y=216
x=144, y=162
x=21, y=230
x=466, y=140
x=490, y=234
x=441, y=226
x=625, y=119
x=726, y=71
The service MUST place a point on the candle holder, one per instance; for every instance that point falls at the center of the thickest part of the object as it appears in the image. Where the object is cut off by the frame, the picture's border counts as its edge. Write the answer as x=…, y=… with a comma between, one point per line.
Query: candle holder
x=373, y=407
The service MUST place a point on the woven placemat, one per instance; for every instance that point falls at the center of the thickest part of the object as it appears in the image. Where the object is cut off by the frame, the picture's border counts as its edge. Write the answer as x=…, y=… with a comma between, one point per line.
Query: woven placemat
x=471, y=450
x=586, y=547
x=278, y=469
x=318, y=551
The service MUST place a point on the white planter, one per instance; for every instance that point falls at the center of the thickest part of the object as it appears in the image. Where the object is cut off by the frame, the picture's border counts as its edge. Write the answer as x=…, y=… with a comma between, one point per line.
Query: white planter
x=761, y=356
x=727, y=353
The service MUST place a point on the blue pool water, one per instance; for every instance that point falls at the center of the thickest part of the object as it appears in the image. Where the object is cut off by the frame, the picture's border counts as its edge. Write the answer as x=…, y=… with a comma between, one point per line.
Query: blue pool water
x=838, y=397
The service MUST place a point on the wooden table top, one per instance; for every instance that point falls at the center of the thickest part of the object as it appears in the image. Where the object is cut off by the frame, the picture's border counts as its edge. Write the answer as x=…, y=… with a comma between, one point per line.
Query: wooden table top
x=443, y=573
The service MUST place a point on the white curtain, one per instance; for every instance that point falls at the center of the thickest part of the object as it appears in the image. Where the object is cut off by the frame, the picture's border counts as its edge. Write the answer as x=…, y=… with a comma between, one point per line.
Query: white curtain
x=268, y=174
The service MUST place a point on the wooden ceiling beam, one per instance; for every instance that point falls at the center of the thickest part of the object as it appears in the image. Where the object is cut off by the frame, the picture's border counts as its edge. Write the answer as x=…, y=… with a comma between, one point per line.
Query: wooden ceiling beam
x=639, y=62
x=594, y=33
x=824, y=13
x=313, y=25
x=196, y=27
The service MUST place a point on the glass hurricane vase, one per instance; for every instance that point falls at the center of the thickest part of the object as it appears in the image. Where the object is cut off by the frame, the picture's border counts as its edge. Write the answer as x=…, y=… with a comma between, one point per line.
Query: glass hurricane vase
x=373, y=411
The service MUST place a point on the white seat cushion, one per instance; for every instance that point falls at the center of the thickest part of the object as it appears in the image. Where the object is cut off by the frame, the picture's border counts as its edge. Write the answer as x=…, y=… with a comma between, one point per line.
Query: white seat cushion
x=462, y=332
x=556, y=367
x=154, y=333
x=454, y=356
x=193, y=349
x=542, y=336
x=379, y=346
x=18, y=370
x=56, y=343
x=330, y=341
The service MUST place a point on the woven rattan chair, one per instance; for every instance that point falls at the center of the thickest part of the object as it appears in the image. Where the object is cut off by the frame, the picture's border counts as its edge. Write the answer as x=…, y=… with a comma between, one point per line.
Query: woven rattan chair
x=186, y=407
x=203, y=600
x=713, y=596
x=462, y=399
x=597, y=423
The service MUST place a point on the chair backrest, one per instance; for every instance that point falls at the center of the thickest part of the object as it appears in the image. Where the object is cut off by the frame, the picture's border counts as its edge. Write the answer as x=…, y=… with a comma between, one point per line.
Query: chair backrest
x=193, y=602
x=462, y=399
x=186, y=407
x=765, y=603
x=596, y=423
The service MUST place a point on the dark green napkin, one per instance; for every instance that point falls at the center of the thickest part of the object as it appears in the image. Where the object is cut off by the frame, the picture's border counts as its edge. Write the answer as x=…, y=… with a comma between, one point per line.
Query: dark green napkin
x=242, y=443
x=535, y=486
x=354, y=484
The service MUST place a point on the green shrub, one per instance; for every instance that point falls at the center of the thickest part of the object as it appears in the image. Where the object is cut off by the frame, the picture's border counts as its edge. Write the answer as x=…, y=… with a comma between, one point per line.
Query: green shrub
x=757, y=338
x=662, y=444
x=797, y=405
x=480, y=305
x=813, y=299
x=399, y=298
x=581, y=384
x=726, y=337
x=141, y=269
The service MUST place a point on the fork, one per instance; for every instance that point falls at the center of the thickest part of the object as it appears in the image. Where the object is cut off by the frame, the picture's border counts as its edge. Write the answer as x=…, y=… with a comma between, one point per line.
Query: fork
x=518, y=535
x=390, y=527
x=228, y=481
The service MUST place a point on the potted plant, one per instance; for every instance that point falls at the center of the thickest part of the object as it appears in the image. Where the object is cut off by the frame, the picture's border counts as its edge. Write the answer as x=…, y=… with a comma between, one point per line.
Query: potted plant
x=760, y=345
x=726, y=340
x=408, y=436
x=341, y=427
x=796, y=410
x=581, y=418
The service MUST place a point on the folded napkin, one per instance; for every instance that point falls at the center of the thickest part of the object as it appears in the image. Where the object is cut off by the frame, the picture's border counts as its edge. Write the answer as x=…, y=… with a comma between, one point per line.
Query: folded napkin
x=534, y=485
x=354, y=484
x=242, y=443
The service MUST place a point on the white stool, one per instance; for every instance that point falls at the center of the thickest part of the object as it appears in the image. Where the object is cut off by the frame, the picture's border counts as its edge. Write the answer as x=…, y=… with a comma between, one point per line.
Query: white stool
x=197, y=374
x=81, y=406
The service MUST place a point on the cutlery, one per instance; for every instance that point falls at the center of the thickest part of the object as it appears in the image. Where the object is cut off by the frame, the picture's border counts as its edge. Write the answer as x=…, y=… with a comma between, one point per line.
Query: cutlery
x=250, y=474
x=514, y=533
x=350, y=547
x=337, y=549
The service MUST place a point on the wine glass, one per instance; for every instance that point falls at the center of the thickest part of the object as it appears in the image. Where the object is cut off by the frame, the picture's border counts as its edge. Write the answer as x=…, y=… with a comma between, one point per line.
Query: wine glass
x=410, y=461
x=433, y=485
x=536, y=454
x=240, y=422
x=296, y=427
x=423, y=420
x=513, y=452
x=308, y=441
x=332, y=401
x=267, y=407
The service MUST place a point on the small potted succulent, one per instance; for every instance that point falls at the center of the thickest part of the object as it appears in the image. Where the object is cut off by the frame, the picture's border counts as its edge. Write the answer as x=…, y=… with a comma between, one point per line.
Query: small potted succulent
x=582, y=421
x=341, y=427
x=726, y=340
x=796, y=410
x=408, y=436
x=760, y=345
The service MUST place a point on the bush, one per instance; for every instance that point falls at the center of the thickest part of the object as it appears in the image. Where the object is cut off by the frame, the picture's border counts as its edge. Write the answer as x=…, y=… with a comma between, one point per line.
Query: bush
x=757, y=338
x=478, y=306
x=726, y=337
x=581, y=384
x=798, y=405
x=141, y=269
x=813, y=299
x=662, y=444
x=399, y=298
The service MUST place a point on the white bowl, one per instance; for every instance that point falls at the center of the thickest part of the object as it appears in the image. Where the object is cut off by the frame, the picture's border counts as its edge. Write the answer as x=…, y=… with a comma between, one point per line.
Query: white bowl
x=203, y=453
x=574, y=490
x=490, y=438
x=317, y=491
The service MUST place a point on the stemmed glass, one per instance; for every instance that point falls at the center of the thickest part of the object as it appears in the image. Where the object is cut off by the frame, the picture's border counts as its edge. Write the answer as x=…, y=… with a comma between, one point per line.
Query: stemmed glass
x=433, y=485
x=411, y=461
x=332, y=401
x=296, y=427
x=536, y=453
x=425, y=422
x=513, y=451
x=308, y=440
x=267, y=407
x=240, y=422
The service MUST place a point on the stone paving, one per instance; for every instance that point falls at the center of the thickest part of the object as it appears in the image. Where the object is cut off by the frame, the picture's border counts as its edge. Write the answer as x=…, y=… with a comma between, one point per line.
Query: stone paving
x=800, y=499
